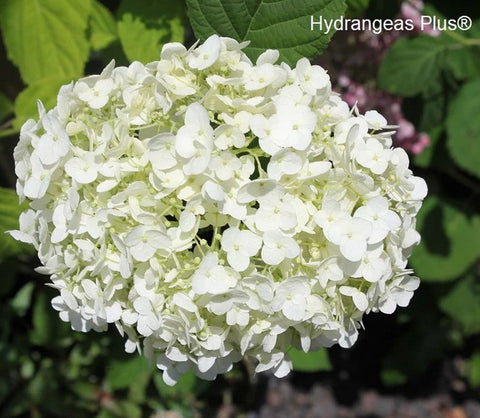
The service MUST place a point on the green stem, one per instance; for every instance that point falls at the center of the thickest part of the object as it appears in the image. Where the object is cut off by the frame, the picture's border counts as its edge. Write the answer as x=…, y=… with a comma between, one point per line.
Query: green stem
x=199, y=245
x=261, y=171
x=462, y=39
x=213, y=246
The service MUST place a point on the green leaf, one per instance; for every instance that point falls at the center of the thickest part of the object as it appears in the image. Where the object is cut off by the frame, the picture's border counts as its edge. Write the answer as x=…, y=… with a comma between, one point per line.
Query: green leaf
x=105, y=413
x=103, y=28
x=463, y=61
x=432, y=122
x=129, y=409
x=45, y=38
x=10, y=211
x=26, y=102
x=393, y=377
x=27, y=368
x=48, y=329
x=138, y=392
x=44, y=384
x=462, y=304
x=411, y=65
x=463, y=127
x=313, y=361
x=85, y=390
x=6, y=107
x=283, y=25
x=473, y=373
x=21, y=302
x=145, y=25
x=474, y=31
x=121, y=374
x=434, y=105
x=42, y=326
x=450, y=241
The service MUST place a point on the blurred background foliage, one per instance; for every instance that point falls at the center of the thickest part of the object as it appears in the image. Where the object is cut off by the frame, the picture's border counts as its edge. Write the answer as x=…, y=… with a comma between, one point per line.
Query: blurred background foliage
x=49, y=370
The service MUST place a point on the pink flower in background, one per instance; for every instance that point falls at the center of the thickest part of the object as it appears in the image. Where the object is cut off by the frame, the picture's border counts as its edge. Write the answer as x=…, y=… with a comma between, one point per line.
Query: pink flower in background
x=412, y=10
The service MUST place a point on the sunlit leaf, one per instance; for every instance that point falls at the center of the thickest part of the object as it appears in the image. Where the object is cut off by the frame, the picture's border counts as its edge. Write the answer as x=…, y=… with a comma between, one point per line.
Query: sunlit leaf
x=46, y=38
x=313, y=361
x=145, y=25
x=21, y=302
x=103, y=27
x=26, y=102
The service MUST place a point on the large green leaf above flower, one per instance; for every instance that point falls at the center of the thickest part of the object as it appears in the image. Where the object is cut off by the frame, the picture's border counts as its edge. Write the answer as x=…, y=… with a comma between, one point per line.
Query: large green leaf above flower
x=283, y=25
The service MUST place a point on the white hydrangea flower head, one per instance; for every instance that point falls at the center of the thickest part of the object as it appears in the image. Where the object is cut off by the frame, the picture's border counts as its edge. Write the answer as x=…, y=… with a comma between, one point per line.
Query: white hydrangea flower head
x=212, y=208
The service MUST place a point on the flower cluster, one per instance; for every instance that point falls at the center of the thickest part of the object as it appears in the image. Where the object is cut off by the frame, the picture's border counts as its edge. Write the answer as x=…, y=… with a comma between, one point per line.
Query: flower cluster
x=212, y=208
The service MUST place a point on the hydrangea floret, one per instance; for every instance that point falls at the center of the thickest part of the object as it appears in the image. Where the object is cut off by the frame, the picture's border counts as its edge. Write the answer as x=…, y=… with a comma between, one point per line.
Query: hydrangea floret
x=211, y=208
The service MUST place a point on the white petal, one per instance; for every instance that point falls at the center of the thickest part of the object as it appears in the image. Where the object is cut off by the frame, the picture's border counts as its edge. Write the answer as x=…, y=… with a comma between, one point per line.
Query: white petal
x=90, y=288
x=142, y=251
x=420, y=188
x=360, y=301
x=129, y=317
x=272, y=256
x=176, y=355
x=255, y=189
x=353, y=249
x=205, y=363
x=291, y=249
x=294, y=311
x=238, y=260
x=283, y=368
x=114, y=312
x=158, y=239
x=391, y=219
x=184, y=302
x=142, y=305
